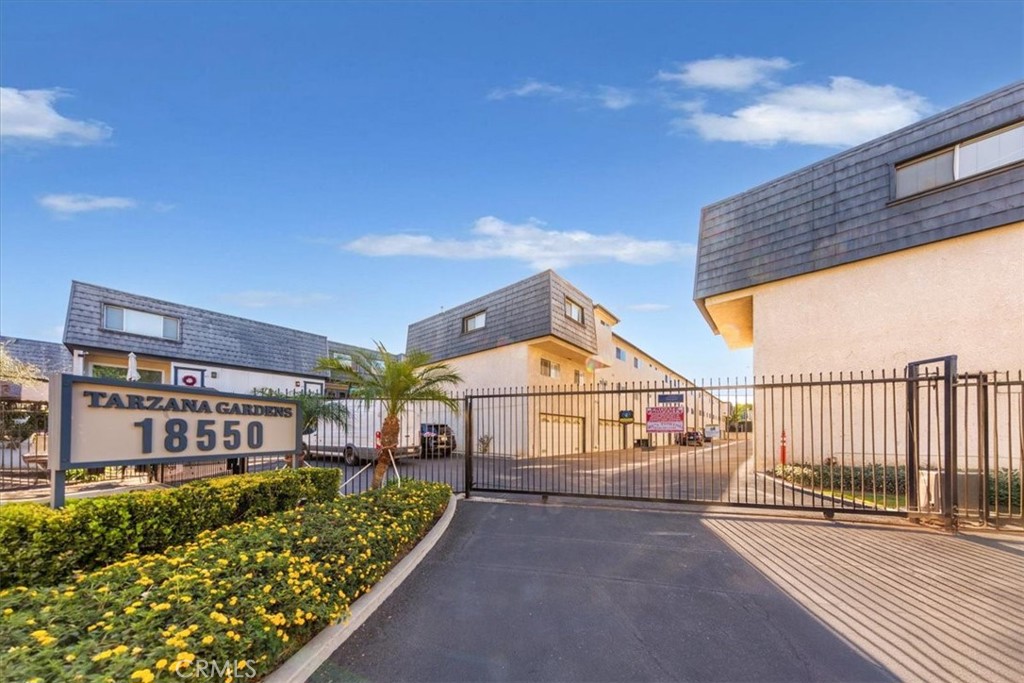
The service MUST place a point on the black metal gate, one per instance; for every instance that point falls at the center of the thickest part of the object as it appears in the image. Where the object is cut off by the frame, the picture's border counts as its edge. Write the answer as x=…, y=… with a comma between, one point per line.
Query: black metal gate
x=925, y=442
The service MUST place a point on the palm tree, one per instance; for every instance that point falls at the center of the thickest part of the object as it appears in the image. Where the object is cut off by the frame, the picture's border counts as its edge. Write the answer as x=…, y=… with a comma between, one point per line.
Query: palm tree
x=395, y=382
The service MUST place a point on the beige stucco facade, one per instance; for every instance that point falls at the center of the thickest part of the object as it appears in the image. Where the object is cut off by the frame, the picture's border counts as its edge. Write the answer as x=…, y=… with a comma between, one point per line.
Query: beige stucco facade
x=962, y=296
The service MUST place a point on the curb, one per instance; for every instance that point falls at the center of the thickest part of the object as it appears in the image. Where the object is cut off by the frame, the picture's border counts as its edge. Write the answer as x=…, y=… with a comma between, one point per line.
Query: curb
x=300, y=666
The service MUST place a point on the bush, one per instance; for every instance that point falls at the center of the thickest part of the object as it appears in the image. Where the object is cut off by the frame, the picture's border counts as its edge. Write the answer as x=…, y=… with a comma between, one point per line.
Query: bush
x=246, y=595
x=40, y=546
x=1004, y=490
x=878, y=479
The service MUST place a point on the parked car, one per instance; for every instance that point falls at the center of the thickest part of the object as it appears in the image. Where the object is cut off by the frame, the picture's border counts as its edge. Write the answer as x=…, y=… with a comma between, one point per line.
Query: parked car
x=436, y=440
x=693, y=438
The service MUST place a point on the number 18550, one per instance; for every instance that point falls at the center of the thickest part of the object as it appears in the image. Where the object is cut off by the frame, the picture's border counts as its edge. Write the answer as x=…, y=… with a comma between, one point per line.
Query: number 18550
x=176, y=435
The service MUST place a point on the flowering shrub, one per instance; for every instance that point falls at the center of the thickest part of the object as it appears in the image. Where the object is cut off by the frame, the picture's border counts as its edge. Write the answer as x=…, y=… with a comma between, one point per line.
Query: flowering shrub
x=40, y=546
x=249, y=594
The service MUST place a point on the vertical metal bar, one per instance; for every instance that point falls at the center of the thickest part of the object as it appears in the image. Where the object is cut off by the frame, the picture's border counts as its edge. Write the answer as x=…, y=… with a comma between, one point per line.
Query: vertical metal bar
x=913, y=502
x=468, y=474
x=950, y=483
x=983, y=444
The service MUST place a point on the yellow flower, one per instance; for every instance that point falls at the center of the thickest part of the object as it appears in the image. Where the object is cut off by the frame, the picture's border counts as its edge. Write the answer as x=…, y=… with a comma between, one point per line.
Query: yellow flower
x=161, y=664
x=102, y=655
x=144, y=675
x=8, y=611
x=207, y=640
x=185, y=657
x=120, y=649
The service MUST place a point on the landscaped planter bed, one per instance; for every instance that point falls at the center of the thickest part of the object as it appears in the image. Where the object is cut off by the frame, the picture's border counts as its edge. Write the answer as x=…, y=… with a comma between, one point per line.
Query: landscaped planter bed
x=40, y=546
x=243, y=597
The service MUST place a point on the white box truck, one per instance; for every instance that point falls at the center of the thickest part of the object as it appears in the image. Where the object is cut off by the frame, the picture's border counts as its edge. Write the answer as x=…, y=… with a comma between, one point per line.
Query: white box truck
x=421, y=427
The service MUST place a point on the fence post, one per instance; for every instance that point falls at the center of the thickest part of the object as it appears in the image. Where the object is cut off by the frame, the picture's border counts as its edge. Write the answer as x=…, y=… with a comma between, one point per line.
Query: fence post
x=912, y=414
x=468, y=475
x=950, y=483
x=983, y=443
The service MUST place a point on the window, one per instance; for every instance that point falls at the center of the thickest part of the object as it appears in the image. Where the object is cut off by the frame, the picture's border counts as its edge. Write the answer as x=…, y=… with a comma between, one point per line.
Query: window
x=573, y=310
x=973, y=157
x=114, y=372
x=992, y=151
x=344, y=359
x=637, y=363
x=620, y=354
x=474, y=322
x=129, y=320
x=577, y=377
x=549, y=369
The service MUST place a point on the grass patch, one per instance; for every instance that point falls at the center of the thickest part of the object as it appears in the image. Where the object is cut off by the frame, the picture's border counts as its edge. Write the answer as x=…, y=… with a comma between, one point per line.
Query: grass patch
x=246, y=595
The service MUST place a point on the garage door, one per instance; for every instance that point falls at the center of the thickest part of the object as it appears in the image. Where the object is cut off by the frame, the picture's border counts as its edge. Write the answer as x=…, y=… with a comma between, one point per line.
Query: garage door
x=560, y=434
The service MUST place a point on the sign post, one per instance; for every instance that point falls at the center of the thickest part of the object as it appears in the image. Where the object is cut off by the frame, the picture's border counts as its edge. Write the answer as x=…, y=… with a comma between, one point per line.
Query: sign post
x=106, y=423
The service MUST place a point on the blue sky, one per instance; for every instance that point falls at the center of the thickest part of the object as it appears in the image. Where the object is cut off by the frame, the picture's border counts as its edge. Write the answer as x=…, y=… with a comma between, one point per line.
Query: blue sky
x=347, y=169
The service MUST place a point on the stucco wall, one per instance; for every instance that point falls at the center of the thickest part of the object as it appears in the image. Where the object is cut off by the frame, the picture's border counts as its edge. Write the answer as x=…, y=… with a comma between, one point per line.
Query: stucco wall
x=963, y=296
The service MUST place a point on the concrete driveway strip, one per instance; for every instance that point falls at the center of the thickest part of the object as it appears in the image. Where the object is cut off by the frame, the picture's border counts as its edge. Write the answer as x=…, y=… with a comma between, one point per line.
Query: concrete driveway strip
x=553, y=593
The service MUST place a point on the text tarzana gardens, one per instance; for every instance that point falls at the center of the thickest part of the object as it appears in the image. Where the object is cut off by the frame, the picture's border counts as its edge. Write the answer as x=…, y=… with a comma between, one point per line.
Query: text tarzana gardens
x=102, y=399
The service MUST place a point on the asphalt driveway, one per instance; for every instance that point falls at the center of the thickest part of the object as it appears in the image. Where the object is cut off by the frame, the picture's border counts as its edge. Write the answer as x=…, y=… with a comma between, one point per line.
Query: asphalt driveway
x=558, y=593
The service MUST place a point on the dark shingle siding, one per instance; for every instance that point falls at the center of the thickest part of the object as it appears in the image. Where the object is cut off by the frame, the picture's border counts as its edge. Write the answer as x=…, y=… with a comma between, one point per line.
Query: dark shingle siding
x=840, y=210
x=206, y=336
x=531, y=308
x=48, y=357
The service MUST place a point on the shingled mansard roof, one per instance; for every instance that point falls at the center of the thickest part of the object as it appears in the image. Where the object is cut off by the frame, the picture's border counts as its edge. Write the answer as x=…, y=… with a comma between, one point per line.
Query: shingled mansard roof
x=844, y=209
x=206, y=336
x=48, y=357
x=528, y=309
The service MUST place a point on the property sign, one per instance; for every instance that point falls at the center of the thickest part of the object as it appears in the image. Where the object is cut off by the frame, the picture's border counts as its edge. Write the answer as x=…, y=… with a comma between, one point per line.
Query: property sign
x=626, y=417
x=670, y=398
x=664, y=419
x=105, y=422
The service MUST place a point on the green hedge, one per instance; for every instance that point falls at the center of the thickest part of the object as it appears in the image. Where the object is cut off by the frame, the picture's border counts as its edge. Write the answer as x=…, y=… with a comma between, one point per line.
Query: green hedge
x=879, y=479
x=245, y=596
x=1004, y=491
x=40, y=546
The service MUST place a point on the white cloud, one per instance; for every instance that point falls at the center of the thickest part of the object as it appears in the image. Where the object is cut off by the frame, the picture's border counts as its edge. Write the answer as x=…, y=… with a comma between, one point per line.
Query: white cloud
x=70, y=204
x=530, y=88
x=529, y=242
x=29, y=116
x=649, y=308
x=615, y=98
x=845, y=112
x=605, y=96
x=255, y=298
x=726, y=73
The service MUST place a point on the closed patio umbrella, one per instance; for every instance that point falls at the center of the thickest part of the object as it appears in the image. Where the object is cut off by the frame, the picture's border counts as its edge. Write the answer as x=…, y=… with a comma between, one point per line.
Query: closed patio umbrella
x=133, y=368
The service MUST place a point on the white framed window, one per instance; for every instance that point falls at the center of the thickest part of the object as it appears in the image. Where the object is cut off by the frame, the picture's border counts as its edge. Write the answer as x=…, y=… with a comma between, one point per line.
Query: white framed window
x=549, y=369
x=573, y=310
x=620, y=354
x=637, y=363
x=997, y=149
x=342, y=357
x=121, y=319
x=474, y=322
x=969, y=158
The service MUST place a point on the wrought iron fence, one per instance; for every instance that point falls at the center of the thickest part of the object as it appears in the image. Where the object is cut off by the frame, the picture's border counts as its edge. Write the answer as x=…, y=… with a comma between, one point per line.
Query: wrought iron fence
x=929, y=442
